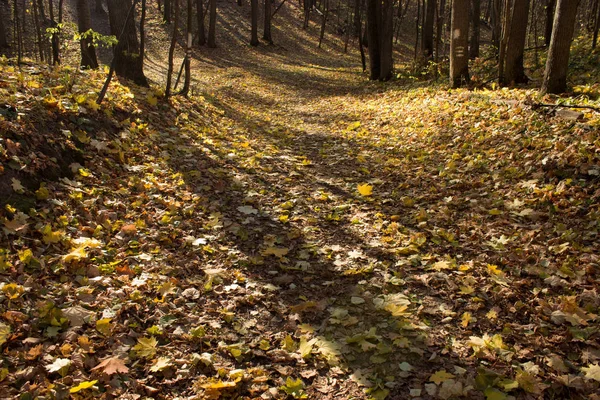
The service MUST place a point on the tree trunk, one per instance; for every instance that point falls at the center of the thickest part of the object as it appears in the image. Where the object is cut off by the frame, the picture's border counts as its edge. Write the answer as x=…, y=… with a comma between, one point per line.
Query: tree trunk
x=475, y=28
x=41, y=11
x=267, y=22
x=172, y=49
x=212, y=23
x=128, y=61
x=496, y=22
x=254, y=22
x=459, y=60
x=307, y=5
x=596, y=29
x=88, y=51
x=99, y=8
x=323, y=22
x=373, y=12
x=143, y=33
x=54, y=37
x=3, y=40
x=200, y=17
x=555, y=75
x=514, y=72
x=550, y=8
x=386, y=37
x=188, y=51
x=427, y=35
x=357, y=23
x=167, y=11
x=439, y=28
x=506, y=25
x=18, y=35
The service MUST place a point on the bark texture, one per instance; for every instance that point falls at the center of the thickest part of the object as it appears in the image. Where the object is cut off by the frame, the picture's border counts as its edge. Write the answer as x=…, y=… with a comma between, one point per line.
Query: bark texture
x=459, y=31
x=555, y=75
x=514, y=71
x=88, y=51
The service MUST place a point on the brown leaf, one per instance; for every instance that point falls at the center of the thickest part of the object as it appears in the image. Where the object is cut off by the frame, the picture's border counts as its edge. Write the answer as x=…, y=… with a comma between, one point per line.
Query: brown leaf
x=111, y=366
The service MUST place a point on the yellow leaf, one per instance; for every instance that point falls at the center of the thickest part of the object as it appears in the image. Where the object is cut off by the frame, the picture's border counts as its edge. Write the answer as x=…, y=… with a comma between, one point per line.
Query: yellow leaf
x=466, y=318
x=4, y=332
x=103, y=326
x=16, y=185
x=289, y=344
x=276, y=251
x=151, y=100
x=146, y=347
x=365, y=189
x=592, y=372
x=76, y=254
x=50, y=236
x=161, y=364
x=13, y=291
x=166, y=288
x=83, y=386
x=440, y=377
x=42, y=193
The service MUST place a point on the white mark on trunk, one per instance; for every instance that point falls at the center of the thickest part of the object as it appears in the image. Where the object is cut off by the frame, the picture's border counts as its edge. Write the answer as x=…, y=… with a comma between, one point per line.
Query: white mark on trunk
x=456, y=34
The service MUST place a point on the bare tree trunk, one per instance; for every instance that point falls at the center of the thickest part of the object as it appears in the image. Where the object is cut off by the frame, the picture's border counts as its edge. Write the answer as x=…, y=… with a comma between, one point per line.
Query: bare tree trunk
x=38, y=30
x=99, y=7
x=439, y=28
x=307, y=6
x=212, y=22
x=143, y=32
x=596, y=29
x=254, y=22
x=200, y=17
x=323, y=23
x=475, y=25
x=54, y=38
x=386, y=37
x=360, y=41
x=417, y=30
x=3, y=40
x=267, y=22
x=172, y=49
x=167, y=11
x=18, y=35
x=550, y=8
x=514, y=71
x=188, y=51
x=555, y=75
x=127, y=57
x=427, y=35
x=373, y=19
x=459, y=60
x=506, y=25
x=496, y=22
x=88, y=52
x=42, y=11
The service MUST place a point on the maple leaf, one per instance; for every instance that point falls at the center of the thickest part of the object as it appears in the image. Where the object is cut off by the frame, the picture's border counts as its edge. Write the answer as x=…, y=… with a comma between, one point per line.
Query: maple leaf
x=60, y=365
x=466, y=318
x=112, y=365
x=161, y=364
x=146, y=347
x=592, y=372
x=276, y=251
x=365, y=189
x=75, y=255
x=4, y=332
x=294, y=388
x=17, y=186
x=440, y=377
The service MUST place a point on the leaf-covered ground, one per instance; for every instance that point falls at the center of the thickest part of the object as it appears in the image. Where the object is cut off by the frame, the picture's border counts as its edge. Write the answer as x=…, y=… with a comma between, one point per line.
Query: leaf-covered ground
x=294, y=231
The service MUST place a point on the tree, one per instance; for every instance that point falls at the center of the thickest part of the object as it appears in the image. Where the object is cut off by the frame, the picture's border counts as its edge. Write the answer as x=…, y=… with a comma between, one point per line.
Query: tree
x=596, y=28
x=427, y=30
x=555, y=75
x=212, y=22
x=54, y=40
x=267, y=22
x=496, y=21
x=475, y=28
x=128, y=62
x=254, y=21
x=99, y=8
x=373, y=18
x=84, y=24
x=200, y=17
x=167, y=12
x=550, y=7
x=3, y=41
x=386, y=38
x=172, y=49
x=513, y=70
x=459, y=26
x=188, y=51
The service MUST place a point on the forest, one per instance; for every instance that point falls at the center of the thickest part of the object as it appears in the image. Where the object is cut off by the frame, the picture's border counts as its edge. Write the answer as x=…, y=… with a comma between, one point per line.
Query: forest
x=311, y=199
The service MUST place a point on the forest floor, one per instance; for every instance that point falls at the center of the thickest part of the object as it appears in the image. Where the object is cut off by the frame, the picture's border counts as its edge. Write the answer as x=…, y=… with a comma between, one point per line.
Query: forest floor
x=294, y=231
